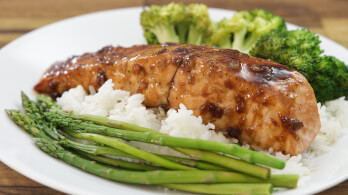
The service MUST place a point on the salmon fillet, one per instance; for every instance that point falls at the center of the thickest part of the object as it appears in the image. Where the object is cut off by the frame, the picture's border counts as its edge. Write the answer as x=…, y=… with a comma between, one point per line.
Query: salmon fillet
x=259, y=102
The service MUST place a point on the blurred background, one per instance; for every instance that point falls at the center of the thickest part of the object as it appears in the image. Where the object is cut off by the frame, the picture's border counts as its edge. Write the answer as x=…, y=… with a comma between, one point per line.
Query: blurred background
x=17, y=17
x=326, y=17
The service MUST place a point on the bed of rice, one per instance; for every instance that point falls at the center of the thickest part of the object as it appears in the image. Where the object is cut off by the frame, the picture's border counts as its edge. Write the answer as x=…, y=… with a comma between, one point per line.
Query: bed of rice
x=120, y=105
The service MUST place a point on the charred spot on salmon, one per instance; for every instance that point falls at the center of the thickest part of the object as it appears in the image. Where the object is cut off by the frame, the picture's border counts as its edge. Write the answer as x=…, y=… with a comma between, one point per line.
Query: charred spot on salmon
x=213, y=109
x=233, y=132
x=240, y=103
x=139, y=69
x=53, y=84
x=274, y=122
x=161, y=51
x=264, y=101
x=291, y=124
x=176, y=60
x=191, y=78
x=101, y=77
x=189, y=62
x=228, y=84
x=181, y=50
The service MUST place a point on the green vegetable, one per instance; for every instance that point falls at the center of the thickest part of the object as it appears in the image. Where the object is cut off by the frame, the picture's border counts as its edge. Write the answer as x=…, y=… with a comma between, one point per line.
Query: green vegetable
x=103, y=150
x=44, y=103
x=54, y=149
x=330, y=81
x=176, y=22
x=288, y=181
x=112, y=142
x=300, y=50
x=121, y=163
x=149, y=137
x=199, y=24
x=242, y=30
x=36, y=124
x=231, y=149
x=148, y=177
x=64, y=119
x=225, y=188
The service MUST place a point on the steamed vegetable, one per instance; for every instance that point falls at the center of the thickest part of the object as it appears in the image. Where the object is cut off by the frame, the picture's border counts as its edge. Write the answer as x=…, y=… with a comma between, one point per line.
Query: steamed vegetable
x=67, y=123
x=242, y=30
x=300, y=50
x=51, y=141
x=88, y=129
x=176, y=22
x=56, y=115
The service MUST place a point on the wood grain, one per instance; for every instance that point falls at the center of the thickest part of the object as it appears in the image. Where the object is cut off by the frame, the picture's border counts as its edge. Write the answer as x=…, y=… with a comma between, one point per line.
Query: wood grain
x=17, y=17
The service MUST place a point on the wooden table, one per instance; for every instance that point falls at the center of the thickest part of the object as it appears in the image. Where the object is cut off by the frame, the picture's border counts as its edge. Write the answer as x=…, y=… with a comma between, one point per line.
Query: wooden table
x=17, y=17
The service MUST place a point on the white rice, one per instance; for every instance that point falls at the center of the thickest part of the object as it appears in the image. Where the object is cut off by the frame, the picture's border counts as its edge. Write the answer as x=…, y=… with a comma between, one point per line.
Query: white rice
x=120, y=105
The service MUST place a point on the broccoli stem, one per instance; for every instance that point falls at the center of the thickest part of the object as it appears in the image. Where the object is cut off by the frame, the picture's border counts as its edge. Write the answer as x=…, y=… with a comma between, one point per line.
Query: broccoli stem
x=182, y=30
x=249, y=42
x=239, y=38
x=226, y=42
x=165, y=33
x=195, y=36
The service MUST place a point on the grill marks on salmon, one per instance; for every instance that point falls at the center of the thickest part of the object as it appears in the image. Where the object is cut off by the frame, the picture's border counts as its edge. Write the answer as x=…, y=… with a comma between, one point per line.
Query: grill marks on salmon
x=257, y=101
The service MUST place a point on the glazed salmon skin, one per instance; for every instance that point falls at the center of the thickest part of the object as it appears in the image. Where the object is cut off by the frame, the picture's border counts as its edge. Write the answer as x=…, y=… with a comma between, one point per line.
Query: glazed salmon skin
x=257, y=101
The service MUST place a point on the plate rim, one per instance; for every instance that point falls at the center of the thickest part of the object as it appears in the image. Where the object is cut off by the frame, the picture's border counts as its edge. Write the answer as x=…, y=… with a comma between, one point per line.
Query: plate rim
x=44, y=180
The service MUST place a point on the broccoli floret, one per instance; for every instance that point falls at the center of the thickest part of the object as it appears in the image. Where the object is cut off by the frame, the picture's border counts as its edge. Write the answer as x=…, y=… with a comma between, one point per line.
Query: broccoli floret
x=223, y=35
x=176, y=22
x=199, y=23
x=241, y=31
x=160, y=22
x=331, y=80
x=300, y=50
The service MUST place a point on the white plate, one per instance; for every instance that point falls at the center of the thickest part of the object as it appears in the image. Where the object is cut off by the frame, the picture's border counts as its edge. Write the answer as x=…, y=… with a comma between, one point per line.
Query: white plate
x=25, y=59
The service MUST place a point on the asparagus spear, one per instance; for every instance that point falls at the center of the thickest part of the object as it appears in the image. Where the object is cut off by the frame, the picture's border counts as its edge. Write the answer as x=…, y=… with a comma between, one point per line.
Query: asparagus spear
x=155, y=177
x=26, y=123
x=210, y=157
x=288, y=181
x=102, y=150
x=148, y=137
x=33, y=110
x=48, y=145
x=223, y=161
x=112, y=142
x=151, y=136
x=149, y=177
x=163, y=140
x=121, y=163
x=195, y=163
x=224, y=188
